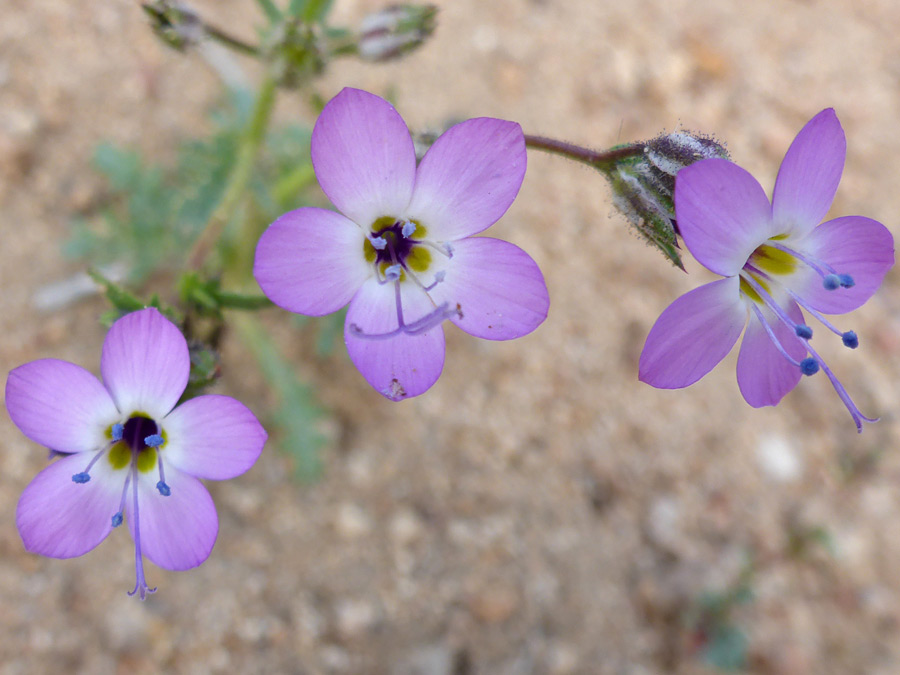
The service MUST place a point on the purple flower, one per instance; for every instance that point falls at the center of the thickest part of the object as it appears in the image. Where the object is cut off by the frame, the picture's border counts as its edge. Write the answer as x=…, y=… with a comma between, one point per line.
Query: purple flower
x=127, y=453
x=401, y=251
x=776, y=259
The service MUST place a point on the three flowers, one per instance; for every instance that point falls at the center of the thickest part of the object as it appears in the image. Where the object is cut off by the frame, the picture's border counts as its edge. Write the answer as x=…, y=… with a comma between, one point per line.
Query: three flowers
x=402, y=253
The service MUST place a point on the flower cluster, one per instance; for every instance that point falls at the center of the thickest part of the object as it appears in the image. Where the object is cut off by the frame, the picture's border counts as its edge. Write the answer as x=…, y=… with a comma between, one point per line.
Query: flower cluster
x=777, y=261
x=126, y=452
x=401, y=250
x=402, y=253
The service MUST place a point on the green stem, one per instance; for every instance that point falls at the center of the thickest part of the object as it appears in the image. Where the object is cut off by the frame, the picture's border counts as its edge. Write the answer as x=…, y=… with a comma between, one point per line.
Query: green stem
x=228, y=300
x=252, y=139
x=231, y=42
x=602, y=160
x=598, y=160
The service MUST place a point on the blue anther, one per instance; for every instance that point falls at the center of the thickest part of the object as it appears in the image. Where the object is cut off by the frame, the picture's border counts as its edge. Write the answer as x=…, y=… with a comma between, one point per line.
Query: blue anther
x=831, y=282
x=803, y=331
x=392, y=273
x=378, y=243
x=117, y=519
x=809, y=366
x=846, y=281
x=82, y=477
x=850, y=340
x=117, y=432
x=408, y=228
x=153, y=440
x=164, y=489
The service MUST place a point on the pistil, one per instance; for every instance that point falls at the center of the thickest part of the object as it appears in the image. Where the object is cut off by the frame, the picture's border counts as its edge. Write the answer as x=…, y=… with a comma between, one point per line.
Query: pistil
x=140, y=584
x=812, y=364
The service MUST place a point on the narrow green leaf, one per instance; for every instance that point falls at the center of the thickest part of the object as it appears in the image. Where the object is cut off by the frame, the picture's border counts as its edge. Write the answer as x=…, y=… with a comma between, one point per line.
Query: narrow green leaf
x=273, y=14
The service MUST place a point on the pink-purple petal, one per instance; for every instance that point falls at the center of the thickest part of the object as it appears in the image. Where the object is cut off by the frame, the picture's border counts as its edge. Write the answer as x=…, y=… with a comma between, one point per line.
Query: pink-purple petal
x=178, y=531
x=723, y=214
x=854, y=245
x=214, y=437
x=145, y=363
x=497, y=286
x=59, y=405
x=764, y=375
x=399, y=367
x=693, y=334
x=311, y=261
x=363, y=156
x=469, y=178
x=809, y=175
x=59, y=518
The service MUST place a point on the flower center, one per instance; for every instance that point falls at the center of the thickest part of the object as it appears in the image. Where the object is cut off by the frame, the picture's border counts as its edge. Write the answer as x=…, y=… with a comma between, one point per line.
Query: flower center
x=400, y=251
x=133, y=445
x=773, y=260
x=397, y=242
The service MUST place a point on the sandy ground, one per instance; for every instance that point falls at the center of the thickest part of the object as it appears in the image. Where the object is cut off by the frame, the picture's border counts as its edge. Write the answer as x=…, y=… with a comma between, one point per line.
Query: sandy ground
x=540, y=510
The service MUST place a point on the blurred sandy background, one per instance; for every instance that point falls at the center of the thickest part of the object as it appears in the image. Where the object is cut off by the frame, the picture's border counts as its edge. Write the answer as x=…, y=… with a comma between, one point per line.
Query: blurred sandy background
x=540, y=510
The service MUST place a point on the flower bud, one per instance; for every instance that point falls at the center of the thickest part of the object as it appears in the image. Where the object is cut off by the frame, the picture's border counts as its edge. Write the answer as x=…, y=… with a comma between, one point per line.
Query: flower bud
x=175, y=23
x=394, y=31
x=644, y=186
x=669, y=153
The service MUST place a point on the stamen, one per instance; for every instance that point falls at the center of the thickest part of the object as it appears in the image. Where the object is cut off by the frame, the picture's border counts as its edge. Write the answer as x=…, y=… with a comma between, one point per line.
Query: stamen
x=439, y=276
x=117, y=516
x=803, y=332
x=831, y=280
x=850, y=339
x=443, y=248
x=770, y=301
x=378, y=243
x=85, y=476
x=379, y=277
x=393, y=272
x=140, y=584
x=822, y=268
x=408, y=228
x=163, y=488
x=153, y=440
x=118, y=431
x=773, y=338
x=858, y=417
x=821, y=319
x=809, y=366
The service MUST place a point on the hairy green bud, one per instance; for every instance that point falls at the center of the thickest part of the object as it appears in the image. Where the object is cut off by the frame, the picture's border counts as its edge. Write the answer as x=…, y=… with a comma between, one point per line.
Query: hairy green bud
x=395, y=31
x=644, y=185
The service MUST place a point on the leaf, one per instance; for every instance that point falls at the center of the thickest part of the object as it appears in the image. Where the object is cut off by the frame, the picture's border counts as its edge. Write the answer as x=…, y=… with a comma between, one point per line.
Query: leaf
x=273, y=14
